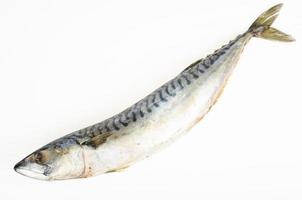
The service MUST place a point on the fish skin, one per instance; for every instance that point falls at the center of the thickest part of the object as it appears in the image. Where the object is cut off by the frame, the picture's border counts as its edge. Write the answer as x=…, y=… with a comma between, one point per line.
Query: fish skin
x=150, y=124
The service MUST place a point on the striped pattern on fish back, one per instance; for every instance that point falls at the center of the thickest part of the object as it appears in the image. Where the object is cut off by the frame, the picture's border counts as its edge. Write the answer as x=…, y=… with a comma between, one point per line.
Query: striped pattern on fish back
x=156, y=99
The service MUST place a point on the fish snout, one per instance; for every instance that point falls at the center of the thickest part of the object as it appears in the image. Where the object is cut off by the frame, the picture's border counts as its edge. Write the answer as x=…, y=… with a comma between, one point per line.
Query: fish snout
x=30, y=169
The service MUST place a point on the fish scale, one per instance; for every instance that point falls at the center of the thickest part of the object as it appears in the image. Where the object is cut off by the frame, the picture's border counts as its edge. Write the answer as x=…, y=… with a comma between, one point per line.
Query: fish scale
x=190, y=74
x=153, y=122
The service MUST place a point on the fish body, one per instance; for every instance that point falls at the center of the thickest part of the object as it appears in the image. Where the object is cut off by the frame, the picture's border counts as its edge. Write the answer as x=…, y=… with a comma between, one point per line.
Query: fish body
x=165, y=114
x=150, y=124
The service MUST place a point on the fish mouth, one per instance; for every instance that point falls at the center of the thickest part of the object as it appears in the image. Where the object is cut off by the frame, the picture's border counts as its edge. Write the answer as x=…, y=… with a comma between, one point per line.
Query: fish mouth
x=31, y=170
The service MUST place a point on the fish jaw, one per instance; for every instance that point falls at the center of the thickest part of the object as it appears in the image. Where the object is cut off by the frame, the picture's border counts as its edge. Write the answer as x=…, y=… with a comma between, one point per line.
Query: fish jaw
x=32, y=170
x=59, y=160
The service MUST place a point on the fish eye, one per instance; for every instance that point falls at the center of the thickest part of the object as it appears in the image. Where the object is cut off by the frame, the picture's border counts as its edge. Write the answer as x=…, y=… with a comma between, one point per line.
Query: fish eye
x=38, y=157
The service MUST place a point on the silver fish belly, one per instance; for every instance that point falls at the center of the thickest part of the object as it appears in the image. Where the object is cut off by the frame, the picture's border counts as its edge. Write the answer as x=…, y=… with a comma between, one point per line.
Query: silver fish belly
x=150, y=124
x=181, y=103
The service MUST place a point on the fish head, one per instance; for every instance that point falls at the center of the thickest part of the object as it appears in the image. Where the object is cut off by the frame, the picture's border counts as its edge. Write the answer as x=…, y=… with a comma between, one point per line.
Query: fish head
x=58, y=160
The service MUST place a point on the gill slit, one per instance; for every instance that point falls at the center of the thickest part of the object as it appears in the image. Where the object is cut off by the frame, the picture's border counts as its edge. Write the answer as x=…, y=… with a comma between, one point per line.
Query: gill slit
x=86, y=171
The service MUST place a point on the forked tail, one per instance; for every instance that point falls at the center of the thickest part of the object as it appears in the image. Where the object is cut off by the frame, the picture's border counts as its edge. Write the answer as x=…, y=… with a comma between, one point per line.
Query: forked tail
x=262, y=26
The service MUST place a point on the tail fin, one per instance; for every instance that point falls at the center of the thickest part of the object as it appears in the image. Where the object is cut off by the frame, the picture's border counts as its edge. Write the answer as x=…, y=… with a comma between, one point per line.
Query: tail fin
x=262, y=26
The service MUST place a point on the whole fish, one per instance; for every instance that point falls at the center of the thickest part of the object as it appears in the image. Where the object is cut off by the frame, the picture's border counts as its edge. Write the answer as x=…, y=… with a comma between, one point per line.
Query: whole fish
x=151, y=123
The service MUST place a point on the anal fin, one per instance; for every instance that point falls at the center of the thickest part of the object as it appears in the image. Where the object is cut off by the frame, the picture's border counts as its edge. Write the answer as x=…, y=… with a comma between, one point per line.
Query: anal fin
x=118, y=169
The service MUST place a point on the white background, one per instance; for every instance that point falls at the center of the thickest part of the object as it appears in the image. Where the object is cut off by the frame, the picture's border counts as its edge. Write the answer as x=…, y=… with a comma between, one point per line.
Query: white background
x=65, y=65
